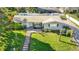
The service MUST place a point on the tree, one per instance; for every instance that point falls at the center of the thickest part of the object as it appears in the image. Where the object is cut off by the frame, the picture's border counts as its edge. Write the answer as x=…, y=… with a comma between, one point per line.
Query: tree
x=21, y=10
x=32, y=10
x=7, y=13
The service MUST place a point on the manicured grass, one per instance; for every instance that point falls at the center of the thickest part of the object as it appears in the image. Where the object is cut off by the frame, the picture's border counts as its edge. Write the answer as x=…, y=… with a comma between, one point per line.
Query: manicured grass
x=51, y=42
x=23, y=32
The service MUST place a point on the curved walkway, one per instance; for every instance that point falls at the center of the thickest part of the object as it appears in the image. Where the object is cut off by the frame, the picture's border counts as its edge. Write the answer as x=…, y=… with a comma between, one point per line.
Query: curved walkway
x=27, y=39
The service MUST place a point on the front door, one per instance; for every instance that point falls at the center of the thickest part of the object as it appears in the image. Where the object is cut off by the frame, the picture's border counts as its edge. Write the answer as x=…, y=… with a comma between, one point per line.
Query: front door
x=29, y=25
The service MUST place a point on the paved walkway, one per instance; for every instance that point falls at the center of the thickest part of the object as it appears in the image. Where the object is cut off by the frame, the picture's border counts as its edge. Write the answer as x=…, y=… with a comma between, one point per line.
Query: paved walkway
x=27, y=39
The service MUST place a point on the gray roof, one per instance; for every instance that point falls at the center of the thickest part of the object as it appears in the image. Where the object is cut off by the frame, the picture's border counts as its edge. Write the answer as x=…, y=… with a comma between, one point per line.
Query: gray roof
x=43, y=19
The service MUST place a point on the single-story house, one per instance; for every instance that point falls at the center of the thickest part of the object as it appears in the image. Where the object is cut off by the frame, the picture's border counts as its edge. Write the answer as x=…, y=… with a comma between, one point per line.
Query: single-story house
x=40, y=21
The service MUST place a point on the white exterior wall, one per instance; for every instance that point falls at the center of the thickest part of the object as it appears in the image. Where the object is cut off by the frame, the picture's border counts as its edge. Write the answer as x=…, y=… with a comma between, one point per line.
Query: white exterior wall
x=46, y=26
x=56, y=27
x=29, y=24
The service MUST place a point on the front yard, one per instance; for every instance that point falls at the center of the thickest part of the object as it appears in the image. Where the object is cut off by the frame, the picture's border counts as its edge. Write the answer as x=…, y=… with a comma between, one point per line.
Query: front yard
x=50, y=42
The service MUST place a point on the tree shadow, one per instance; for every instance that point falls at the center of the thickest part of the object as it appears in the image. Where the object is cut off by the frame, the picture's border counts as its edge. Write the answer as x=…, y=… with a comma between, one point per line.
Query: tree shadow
x=36, y=45
x=68, y=43
x=43, y=34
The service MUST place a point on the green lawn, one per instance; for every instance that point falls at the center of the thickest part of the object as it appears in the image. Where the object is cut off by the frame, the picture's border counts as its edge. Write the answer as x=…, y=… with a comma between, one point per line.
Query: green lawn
x=50, y=41
x=20, y=31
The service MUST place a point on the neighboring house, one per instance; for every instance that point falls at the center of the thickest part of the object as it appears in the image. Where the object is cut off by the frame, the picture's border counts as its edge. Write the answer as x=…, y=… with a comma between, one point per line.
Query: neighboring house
x=40, y=21
x=49, y=9
x=71, y=9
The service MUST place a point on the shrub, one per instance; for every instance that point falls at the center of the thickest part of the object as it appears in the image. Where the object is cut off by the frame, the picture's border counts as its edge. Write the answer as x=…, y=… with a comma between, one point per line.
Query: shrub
x=74, y=11
x=44, y=30
x=16, y=26
x=66, y=27
x=56, y=31
x=66, y=11
x=69, y=33
x=49, y=30
x=77, y=15
x=63, y=17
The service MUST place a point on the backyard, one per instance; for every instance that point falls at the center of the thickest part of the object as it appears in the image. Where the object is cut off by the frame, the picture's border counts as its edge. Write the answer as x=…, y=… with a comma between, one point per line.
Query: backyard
x=51, y=42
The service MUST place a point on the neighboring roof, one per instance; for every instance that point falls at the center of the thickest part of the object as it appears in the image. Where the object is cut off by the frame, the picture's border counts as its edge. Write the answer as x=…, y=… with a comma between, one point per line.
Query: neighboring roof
x=48, y=9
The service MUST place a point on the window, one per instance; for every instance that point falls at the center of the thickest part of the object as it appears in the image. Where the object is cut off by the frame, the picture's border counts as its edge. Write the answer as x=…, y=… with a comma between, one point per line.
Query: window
x=53, y=25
